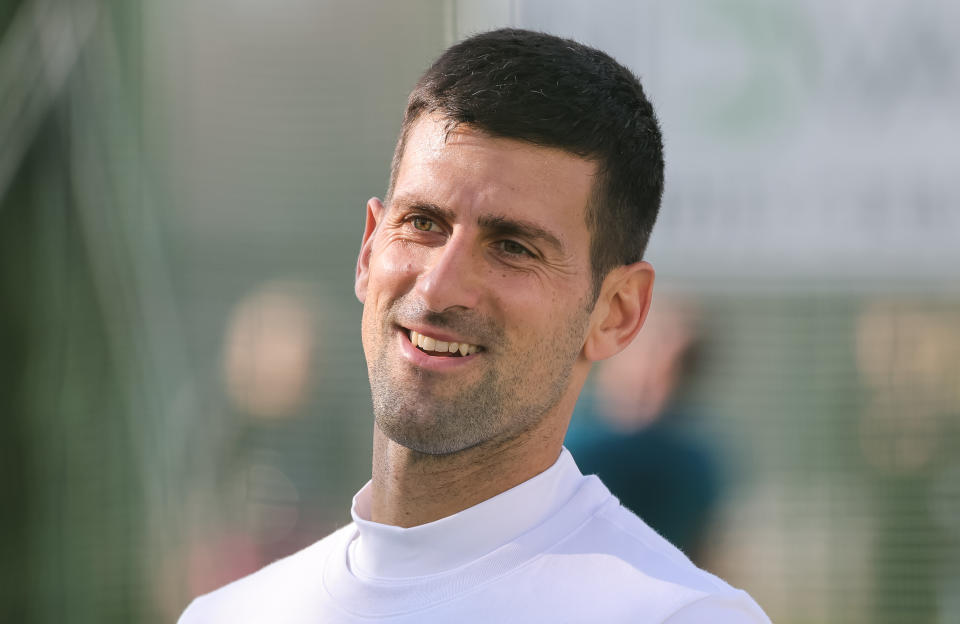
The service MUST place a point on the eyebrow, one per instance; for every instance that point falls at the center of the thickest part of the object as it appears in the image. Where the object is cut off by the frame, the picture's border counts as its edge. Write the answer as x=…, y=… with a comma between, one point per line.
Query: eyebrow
x=499, y=224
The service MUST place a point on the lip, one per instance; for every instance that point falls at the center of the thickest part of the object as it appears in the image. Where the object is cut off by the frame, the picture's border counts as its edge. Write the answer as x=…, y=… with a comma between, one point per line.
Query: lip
x=431, y=362
x=439, y=334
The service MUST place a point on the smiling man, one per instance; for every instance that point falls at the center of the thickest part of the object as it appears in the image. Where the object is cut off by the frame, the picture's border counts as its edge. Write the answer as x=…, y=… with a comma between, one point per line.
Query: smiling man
x=504, y=261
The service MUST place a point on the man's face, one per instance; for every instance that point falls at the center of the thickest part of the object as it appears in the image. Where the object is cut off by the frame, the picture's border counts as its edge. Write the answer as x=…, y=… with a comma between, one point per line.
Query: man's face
x=484, y=244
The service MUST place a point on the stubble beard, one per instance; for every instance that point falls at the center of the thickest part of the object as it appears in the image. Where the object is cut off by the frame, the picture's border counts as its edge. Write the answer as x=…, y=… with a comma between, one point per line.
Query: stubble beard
x=428, y=413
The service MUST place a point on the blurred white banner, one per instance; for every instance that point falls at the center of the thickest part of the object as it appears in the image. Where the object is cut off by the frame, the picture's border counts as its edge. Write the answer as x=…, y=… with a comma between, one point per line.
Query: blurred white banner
x=813, y=142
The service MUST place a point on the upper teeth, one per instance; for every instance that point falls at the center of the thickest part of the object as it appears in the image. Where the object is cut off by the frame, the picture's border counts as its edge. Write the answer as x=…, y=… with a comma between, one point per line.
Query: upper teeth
x=439, y=346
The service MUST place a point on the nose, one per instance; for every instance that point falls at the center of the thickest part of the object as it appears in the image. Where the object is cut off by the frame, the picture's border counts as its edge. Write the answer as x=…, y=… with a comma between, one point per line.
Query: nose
x=452, y=278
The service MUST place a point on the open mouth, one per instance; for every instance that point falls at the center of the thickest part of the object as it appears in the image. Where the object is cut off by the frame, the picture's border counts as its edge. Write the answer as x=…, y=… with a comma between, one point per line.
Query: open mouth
x=441, y=348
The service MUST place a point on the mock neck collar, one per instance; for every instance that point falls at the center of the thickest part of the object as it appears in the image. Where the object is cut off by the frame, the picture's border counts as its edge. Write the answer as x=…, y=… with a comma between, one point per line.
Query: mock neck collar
x=382, y=551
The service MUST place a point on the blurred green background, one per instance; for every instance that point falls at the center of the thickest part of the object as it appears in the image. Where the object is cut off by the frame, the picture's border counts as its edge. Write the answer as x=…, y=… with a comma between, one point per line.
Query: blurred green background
x=182, y=183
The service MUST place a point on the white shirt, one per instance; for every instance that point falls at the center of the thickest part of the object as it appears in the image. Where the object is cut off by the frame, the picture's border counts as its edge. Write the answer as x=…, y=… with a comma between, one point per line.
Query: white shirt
x=556, y=548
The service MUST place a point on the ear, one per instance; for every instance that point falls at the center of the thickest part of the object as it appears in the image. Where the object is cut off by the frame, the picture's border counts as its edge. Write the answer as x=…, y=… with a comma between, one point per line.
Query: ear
x=374, y=215
x=620, y=310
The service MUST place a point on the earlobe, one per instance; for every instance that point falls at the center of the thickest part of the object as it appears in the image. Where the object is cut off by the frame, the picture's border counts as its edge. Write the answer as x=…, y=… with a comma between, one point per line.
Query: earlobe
x=620, y=310
x=374, y=215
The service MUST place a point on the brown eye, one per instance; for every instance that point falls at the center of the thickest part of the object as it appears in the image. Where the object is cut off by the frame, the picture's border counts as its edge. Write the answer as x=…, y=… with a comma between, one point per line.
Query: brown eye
x=423, y=224
x=514, y=248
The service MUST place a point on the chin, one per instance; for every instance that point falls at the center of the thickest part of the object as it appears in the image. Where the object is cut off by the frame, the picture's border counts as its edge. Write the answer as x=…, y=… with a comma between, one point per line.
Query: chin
x=435, y=434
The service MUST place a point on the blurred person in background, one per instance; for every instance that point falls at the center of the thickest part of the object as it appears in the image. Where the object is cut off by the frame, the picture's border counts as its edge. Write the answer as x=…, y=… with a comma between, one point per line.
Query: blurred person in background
x=504, y=261
x=629, y=429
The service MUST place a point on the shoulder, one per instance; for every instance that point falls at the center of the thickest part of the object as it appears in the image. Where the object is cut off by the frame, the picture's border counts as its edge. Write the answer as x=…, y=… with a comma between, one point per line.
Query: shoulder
x=638, y=571
x=290, y=581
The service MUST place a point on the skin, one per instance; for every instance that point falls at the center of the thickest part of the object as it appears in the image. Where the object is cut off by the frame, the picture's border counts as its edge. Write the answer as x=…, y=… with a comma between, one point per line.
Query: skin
x=484, y=241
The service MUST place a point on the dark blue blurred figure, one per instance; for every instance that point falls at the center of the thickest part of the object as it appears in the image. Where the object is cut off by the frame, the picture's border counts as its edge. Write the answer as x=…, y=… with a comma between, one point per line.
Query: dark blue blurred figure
x=631, y=428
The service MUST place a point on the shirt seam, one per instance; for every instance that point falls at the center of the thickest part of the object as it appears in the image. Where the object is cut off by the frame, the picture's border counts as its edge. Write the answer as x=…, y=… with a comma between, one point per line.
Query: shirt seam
x=685, y=606
x=714, y=582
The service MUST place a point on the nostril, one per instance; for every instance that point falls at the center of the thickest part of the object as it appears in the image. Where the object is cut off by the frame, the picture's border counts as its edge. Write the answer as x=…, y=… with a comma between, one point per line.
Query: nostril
x=451, y=281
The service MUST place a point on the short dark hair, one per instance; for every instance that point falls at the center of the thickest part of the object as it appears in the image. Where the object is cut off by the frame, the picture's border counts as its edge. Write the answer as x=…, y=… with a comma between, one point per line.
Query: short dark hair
x=555, y=92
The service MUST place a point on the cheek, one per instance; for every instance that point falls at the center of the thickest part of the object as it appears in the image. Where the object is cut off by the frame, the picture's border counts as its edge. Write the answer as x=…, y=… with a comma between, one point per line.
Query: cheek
x=556, y=319
x=368, y=330
x=531, y=314
x=544, y=296
x=394, y=266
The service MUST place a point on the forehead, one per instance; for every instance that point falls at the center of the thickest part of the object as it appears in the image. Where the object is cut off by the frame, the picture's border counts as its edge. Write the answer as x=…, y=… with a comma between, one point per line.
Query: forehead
x=467, y=170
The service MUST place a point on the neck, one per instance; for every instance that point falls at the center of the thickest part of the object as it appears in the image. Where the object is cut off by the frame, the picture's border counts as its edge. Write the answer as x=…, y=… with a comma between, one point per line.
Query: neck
x=410, y=488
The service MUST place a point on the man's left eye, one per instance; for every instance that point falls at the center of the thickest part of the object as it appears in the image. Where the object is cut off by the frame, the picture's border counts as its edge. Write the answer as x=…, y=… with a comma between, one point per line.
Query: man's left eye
x=514, y=248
